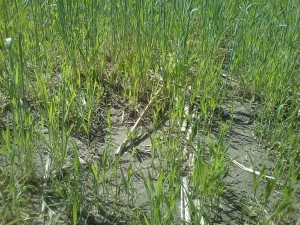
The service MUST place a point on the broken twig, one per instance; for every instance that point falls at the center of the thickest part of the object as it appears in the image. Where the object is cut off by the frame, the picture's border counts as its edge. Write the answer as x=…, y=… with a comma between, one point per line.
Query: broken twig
x=250, y=170
x=126, y=141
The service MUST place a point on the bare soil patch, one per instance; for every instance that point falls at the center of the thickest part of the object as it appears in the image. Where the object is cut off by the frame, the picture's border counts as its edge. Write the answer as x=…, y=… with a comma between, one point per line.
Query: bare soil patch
x=239, y=204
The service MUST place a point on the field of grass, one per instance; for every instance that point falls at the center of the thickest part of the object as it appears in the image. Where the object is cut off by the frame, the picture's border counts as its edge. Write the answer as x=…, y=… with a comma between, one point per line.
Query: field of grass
x=149, y=112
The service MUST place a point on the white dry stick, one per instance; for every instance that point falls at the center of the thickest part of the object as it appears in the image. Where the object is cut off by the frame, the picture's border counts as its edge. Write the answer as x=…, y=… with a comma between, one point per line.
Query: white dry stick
x=189, y=154
x=46, y=177
x=125, y=142
x=122, y=119
x=250, y=170
x=184, y=202
x=186, y=109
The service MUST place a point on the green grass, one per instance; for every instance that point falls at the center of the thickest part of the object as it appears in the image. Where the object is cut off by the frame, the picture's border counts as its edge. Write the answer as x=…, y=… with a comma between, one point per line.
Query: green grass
x=67, y=56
